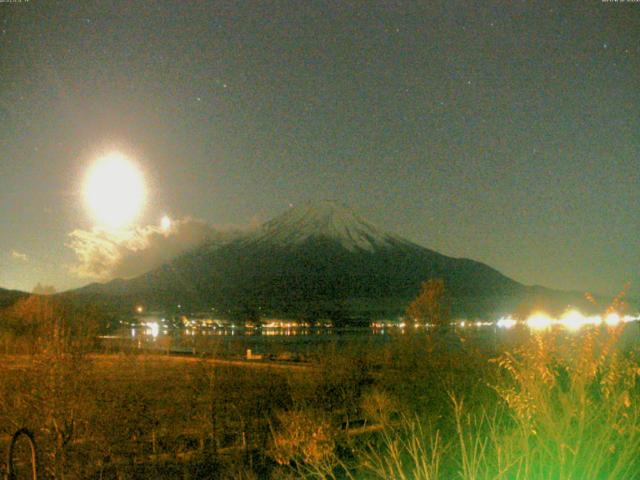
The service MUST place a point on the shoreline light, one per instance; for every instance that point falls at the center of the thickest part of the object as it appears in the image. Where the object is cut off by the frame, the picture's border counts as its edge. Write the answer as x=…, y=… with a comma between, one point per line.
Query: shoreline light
x=539, y=321
x=153, y=329
x=612, y=319
x=506, y=322
x=573, y=320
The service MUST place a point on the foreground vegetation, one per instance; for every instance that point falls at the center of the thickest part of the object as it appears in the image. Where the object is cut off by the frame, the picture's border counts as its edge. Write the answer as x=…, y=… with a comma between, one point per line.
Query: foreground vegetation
x=555, y=406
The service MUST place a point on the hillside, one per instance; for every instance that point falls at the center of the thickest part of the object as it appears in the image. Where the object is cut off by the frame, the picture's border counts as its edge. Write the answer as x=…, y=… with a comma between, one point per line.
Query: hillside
x=8, y=297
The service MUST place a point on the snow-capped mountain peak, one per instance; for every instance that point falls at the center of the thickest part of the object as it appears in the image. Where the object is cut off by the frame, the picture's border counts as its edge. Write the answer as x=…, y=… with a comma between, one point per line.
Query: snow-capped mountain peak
x=328, y=220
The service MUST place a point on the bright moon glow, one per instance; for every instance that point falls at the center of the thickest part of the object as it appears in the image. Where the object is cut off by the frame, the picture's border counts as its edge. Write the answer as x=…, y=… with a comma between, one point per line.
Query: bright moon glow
x=165, y=223
x=114, y=190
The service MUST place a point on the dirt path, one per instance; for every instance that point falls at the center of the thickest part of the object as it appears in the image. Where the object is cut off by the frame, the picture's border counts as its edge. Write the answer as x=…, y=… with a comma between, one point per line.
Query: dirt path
x=184, y=359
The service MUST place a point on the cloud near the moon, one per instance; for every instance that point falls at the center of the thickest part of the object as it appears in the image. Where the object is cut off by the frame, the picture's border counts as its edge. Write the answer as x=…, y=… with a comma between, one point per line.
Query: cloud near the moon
x=103, y=255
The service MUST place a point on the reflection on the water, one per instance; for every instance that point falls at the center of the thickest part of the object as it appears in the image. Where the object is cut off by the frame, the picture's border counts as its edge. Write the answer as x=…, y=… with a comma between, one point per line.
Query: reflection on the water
x=274, y=338
x=153, y=331
x=539, y=321
x=571, y=320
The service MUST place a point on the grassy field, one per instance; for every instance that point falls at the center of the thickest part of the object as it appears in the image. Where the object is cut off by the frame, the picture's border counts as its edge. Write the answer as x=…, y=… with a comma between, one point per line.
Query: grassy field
x=554, y=406
x=434, y=405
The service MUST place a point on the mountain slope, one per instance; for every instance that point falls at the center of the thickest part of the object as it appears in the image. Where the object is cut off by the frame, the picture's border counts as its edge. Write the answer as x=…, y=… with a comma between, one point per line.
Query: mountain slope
x=315, y=260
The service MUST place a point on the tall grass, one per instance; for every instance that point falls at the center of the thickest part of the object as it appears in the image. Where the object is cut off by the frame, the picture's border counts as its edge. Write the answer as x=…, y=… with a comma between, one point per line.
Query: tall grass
x=407, y=453
x=568, y=408
x=574, y=406
x=420, y=407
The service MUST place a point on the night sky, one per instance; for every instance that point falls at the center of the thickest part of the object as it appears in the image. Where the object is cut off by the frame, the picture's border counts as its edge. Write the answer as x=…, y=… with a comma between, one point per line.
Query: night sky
x=508, y=133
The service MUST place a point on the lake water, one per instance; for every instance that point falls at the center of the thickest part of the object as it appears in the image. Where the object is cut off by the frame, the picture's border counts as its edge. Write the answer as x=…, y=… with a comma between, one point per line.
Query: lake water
x=305, y=342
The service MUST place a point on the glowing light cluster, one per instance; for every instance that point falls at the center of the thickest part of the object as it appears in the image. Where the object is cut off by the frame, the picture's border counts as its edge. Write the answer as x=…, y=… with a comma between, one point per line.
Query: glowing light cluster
x=506, y=322
x=539, y=321
x=612, y=319
x=573, y=320
x=153, y=329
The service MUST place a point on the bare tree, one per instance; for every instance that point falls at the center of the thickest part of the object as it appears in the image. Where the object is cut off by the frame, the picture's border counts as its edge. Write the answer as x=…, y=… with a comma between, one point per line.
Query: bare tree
x=430, y=304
